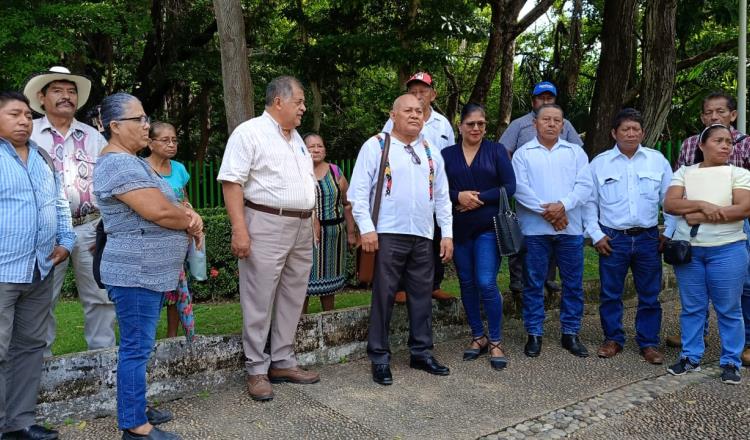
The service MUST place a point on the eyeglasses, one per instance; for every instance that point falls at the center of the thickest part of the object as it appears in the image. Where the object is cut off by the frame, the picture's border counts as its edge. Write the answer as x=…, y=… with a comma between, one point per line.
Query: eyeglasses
x=142, y=119
x=414, y=158
x=478, y=124
x=166, y=140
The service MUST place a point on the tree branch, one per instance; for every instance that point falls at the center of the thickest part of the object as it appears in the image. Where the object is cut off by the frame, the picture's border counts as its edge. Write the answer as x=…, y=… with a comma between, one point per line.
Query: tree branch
x=531, y=16
x=707, y=54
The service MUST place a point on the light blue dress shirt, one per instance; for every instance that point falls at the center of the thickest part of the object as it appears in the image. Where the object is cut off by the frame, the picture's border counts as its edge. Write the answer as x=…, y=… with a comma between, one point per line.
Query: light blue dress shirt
x=560, y=174
x=408, y=208
x=627, y=191
x=34, y=215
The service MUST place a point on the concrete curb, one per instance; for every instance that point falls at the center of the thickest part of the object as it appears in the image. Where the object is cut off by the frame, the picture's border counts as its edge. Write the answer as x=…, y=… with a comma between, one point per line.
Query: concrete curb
x=82, y=385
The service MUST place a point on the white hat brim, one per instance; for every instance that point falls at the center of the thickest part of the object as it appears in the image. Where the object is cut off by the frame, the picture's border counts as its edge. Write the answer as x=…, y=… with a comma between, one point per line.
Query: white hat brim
x=35, y=84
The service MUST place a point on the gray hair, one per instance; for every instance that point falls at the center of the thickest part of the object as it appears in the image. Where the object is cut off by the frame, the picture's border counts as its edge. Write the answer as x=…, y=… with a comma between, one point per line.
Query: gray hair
x=113, y=109
x=281, y=87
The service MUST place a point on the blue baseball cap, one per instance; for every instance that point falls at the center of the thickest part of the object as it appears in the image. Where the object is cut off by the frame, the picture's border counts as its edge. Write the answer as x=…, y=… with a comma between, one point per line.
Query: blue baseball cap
x=544, y=86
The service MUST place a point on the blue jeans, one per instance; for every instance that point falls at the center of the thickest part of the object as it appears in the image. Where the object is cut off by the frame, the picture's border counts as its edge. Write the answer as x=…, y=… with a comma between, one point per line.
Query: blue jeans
x=716, y=273
x=569, y=251
x=639, y=253
x=477, y=264
x=137, y=312
x=745, y=292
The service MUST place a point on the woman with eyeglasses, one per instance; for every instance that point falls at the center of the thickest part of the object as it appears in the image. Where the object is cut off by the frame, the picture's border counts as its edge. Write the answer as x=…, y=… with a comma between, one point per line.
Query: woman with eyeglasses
x=712, y=199
x=476, y=169
x=163, y=146
x=148, y=230
x=328, y=274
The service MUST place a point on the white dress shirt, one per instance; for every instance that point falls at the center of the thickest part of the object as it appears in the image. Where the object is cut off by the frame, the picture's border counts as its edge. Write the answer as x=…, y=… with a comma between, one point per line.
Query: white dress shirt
x=408, y=208
x=77, y=169
x=560, y=174
x=627, y=191
x=437, y=130
x=272, y=170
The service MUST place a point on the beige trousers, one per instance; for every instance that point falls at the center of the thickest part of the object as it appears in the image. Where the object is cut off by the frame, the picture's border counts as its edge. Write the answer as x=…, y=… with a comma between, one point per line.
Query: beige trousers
x=273, y=285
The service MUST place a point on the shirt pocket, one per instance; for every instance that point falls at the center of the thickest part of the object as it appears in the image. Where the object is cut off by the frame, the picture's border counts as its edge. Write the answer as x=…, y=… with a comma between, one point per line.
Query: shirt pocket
x=649, y=183
x=85, y=166
x=610, y=187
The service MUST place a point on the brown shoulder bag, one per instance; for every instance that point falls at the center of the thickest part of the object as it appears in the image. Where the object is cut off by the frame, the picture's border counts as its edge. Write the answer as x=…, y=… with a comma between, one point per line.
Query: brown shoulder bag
x=366, y=260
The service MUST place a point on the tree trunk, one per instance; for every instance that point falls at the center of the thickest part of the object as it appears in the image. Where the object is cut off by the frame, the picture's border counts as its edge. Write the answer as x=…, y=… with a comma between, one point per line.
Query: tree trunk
x=403, y=33
x=612, y=74
x=659, y=66
x=506, y=88
x=235, y=72
x=317, y=105
x=488, y=70
x=571, y=66
x=451, y=107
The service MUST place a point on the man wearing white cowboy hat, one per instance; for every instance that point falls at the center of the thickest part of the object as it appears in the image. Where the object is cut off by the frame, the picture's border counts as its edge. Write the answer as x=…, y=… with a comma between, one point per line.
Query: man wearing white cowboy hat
x=74, y=146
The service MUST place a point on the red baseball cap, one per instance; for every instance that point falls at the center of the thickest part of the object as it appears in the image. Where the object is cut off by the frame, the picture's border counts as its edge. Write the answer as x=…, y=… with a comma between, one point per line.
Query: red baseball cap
x=422, y=77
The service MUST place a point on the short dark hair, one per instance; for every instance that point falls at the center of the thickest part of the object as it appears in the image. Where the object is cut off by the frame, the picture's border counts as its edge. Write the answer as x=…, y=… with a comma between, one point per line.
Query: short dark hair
x=627, y=114
x=471, y=108
x=11, y=95
x=731, y=101
x=46, y=86
x=703, y=137
x=311, y=134
x=537, y=111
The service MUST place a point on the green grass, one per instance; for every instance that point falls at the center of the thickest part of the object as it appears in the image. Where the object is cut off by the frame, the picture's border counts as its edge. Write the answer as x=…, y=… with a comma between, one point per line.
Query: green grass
x=226, y=317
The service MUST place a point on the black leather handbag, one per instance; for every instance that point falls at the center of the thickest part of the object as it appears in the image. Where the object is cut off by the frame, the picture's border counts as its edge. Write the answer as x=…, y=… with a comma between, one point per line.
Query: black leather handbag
x=507, y=229
x=677, y=252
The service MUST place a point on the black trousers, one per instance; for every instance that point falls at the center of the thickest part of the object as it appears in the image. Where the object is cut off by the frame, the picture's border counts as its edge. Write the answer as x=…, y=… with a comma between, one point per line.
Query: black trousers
x=439, y=274
x=408, y=258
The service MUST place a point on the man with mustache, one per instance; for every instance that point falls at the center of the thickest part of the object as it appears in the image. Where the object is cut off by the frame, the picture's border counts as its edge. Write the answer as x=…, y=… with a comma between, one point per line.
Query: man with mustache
x=74, y=146
x=415, y=196
x=438, y=131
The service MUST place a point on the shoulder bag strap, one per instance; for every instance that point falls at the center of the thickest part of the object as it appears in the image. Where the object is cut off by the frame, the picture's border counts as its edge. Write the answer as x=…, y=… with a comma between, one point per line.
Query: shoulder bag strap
x=381, y=179
x=504, y=204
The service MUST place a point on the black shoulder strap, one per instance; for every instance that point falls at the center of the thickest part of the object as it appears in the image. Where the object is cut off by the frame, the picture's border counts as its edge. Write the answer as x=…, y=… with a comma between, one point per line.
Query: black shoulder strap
x=47, y=158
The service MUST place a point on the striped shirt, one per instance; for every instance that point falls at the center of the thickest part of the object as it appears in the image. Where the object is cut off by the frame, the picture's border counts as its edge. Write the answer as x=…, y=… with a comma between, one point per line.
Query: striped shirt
x=34, y=215
x=272, y=171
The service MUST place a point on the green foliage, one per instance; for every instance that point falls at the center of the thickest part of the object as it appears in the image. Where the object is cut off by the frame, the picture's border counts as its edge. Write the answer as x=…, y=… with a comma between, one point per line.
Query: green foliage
x=222, y=265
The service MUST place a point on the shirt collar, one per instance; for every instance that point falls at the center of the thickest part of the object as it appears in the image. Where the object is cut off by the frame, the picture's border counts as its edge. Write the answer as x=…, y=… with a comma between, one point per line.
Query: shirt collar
x=538, y=144
x=617, y=153
x=44, y=124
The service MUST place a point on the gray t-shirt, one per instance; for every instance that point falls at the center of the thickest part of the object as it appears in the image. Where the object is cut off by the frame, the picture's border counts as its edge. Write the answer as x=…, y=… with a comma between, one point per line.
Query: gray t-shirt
x=139, y=253
x=521, y=130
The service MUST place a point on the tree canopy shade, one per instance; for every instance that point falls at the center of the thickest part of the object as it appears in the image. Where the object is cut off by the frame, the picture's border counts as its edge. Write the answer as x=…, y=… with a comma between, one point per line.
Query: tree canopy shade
x=353, y=57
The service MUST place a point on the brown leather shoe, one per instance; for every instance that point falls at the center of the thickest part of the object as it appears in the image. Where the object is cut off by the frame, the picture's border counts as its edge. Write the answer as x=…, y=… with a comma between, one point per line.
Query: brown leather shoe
x=652, y=355
x=400, y=297
x=745, y=357
x=259, y=387
x=441, y=295
x=293, y=375
x=673, y=341
x=608, y=349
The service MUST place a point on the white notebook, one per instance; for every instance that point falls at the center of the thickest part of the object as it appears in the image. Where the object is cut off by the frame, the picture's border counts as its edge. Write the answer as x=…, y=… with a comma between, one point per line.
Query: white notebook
x=713, y=185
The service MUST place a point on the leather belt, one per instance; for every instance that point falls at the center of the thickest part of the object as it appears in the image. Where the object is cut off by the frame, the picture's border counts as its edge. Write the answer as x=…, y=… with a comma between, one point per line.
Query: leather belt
x=632, y=231
x=298, y=213
x=78, y=221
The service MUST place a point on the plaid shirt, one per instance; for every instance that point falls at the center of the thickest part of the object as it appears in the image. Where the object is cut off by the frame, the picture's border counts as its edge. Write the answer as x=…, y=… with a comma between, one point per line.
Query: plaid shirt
x=740, y=156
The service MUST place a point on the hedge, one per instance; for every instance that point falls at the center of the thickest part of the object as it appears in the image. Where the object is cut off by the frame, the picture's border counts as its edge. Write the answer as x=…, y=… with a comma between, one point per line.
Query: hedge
x=222, y=282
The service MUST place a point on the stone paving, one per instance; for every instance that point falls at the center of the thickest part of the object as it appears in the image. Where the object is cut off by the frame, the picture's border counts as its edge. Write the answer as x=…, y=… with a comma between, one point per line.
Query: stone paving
x=553, y=396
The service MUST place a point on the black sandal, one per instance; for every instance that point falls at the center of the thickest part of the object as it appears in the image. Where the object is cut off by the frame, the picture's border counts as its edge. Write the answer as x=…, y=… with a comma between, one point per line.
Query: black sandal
x=472, y=353
x=497, y=362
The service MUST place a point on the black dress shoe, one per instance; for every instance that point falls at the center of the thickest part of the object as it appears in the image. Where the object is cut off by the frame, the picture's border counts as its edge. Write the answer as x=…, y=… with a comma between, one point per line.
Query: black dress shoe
x=155, y=434
x=33, y=432
x=574, y=345
x=552, y=286
x=430, y=365
x=533, y=346
x=158, y=416
x=381, y=373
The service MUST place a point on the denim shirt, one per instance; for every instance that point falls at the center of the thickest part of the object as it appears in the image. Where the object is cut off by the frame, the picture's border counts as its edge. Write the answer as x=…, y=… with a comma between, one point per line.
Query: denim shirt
x=139, y=253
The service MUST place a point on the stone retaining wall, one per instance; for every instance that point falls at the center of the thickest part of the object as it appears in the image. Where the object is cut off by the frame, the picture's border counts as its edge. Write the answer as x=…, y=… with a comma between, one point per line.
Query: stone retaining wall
x=82, y=385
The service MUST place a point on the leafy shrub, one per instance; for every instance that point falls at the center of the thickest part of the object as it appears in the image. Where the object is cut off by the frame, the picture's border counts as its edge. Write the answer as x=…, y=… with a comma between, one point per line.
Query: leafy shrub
x=222, y=265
